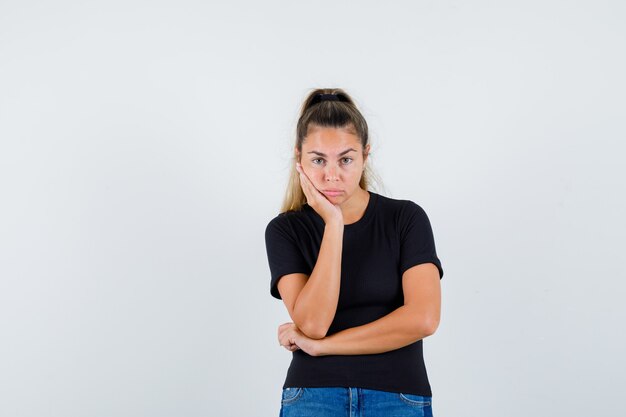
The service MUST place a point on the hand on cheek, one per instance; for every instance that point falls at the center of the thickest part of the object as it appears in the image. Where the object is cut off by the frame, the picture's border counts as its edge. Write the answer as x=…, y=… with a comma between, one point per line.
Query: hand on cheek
x=317, y=200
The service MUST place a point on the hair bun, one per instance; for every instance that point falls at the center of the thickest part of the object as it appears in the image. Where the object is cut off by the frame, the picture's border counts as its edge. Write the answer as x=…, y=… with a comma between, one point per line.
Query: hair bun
x=318, y=98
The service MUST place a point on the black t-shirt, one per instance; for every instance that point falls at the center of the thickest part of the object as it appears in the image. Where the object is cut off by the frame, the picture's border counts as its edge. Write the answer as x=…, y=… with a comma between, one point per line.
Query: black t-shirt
x=391, y=237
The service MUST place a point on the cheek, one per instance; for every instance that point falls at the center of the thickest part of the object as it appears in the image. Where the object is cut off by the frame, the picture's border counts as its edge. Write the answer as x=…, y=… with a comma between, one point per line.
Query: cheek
x=315, y=175
x=317, y=179
x=354, y=173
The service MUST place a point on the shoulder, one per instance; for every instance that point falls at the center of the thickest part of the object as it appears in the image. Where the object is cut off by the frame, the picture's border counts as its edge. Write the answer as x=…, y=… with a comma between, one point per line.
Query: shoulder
x=279, y=223
x=284, y=224
x=407, y=216
x=400, y=208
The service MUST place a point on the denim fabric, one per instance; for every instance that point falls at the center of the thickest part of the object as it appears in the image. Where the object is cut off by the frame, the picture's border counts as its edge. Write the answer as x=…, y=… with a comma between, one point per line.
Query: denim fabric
x=352, y=402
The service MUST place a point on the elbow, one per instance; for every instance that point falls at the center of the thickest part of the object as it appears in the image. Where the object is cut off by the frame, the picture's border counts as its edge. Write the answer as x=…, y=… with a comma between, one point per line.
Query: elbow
x=313, y=330
x=423, y=323
x=429, y=326
x=311, y=327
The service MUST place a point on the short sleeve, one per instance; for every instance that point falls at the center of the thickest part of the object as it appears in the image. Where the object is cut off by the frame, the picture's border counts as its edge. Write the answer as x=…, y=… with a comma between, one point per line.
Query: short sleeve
x=283, y=254
x=417, y=244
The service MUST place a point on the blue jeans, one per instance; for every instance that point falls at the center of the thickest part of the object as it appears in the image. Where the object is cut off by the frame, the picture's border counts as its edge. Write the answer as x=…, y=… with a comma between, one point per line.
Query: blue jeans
x=352, y=402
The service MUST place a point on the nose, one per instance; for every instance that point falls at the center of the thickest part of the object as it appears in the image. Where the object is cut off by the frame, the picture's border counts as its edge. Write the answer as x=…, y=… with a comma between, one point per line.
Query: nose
x=331, y=173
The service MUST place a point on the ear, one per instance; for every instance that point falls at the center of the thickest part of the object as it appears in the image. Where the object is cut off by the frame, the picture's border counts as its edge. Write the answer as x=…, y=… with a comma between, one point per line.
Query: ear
x=296, y=153
x=366, y=152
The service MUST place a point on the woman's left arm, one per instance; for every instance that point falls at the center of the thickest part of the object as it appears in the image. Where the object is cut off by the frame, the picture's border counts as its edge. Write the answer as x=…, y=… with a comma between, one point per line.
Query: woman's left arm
x=415, y=320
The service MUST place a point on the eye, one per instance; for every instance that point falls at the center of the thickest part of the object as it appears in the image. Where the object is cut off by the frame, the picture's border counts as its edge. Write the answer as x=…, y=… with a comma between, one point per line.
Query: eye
x=346, y=160
x=317, y=161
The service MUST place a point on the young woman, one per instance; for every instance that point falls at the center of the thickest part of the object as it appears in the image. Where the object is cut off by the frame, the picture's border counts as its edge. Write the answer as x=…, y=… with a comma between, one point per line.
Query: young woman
x=358, y=273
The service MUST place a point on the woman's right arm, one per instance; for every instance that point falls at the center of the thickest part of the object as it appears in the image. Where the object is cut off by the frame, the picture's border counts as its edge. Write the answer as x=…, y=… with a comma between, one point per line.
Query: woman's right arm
x=312, y=301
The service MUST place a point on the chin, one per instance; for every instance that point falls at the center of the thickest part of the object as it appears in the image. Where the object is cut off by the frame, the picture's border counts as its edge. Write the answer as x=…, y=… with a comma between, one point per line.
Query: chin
x=336, y=199
x=339, y=200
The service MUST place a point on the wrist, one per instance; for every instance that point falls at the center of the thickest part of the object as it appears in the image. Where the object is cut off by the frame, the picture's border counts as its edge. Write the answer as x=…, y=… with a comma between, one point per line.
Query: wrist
x=322, y=347
x=334, y=224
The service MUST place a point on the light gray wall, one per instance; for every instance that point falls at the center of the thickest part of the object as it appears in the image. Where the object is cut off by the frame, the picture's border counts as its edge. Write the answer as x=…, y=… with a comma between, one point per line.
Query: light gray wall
x=144, y=146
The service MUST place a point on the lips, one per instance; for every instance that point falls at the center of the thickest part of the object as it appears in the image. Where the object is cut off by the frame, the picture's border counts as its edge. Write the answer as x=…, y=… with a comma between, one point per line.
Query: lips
x=332, y=193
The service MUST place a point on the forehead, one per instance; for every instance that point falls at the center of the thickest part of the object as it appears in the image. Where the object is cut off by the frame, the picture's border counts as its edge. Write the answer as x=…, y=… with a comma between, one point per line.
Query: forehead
x=330, y=140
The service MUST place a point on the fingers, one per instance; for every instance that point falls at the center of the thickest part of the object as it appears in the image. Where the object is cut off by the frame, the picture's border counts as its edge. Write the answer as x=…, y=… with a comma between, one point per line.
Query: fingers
x=289, y=343
x=305, y=183
x=286, y=334
x=312, y=194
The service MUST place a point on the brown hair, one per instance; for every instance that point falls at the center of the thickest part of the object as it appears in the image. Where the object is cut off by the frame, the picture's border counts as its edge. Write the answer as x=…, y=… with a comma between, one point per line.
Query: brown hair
x=338, y=113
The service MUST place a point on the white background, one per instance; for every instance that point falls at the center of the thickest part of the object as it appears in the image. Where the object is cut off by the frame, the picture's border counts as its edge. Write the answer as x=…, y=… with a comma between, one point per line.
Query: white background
x=144, y=146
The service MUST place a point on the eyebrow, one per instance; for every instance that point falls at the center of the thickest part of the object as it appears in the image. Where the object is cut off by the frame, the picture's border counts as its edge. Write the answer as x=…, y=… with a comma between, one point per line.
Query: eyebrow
x=341, y=154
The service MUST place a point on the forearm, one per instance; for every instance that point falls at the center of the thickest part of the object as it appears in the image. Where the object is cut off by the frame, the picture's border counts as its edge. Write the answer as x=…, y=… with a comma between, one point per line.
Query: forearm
x=316, y=305
x=399, y=328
